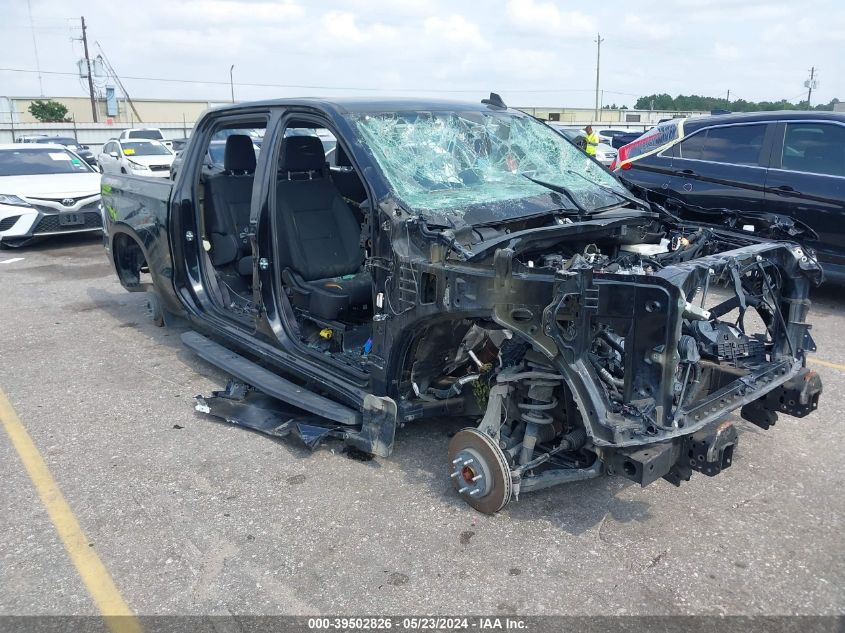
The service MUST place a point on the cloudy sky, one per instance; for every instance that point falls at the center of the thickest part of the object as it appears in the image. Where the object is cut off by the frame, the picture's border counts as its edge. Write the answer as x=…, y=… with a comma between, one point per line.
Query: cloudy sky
x=534, y=52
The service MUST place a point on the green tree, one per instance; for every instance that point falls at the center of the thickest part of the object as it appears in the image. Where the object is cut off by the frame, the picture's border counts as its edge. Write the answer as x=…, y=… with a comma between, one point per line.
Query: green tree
x=703, y=104
x=48, y=111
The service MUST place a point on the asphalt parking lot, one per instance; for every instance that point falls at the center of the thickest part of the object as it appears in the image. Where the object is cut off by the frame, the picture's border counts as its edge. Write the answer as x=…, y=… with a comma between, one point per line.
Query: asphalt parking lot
x=193, y=516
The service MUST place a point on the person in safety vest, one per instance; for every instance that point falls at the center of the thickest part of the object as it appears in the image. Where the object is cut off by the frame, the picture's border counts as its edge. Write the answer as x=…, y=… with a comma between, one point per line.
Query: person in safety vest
x=592, y=141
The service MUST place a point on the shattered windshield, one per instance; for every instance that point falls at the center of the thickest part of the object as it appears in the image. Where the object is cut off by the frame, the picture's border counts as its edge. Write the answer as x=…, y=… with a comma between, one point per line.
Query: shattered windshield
x=472, y=165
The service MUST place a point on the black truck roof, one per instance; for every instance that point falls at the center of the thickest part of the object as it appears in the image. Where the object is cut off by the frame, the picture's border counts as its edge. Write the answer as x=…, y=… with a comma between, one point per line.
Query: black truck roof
x=695, y=123
x=348, y=105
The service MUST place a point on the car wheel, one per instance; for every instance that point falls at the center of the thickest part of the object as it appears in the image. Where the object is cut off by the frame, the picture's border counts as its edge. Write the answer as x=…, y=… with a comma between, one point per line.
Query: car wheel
x=154, y=308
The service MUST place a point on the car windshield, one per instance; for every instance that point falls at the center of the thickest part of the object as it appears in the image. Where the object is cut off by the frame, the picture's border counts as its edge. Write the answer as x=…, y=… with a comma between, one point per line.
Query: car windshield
x=150, y=134
x=29, y=162
x=471, y=166
x=144, y=149
x=59, y=140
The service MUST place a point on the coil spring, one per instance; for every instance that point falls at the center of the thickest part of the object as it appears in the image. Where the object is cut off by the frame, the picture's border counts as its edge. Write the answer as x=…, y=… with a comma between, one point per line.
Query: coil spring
x=540, y=398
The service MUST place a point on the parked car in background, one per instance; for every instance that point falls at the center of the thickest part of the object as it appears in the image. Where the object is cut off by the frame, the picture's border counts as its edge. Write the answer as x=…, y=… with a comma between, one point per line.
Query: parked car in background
x=72, y=144
x=178, y=144
x=605, y=154
x=149, y=133
x=781, y=174
x=621, y=140
x=30, y=138
x=46, y=190
x=606, y=135
x=214, y=160
x=139, y=157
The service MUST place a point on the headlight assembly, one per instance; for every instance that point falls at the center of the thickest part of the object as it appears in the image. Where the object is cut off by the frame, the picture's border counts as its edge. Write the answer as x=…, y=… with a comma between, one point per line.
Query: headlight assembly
x=6, y=198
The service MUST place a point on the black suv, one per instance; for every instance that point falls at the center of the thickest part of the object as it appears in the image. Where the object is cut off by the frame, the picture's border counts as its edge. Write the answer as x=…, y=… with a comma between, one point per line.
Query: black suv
x=780, y=174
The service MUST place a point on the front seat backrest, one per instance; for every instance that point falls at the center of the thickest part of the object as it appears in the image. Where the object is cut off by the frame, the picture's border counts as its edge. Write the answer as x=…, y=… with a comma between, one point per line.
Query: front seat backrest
x=239, y=155
x=228, y=201
x=318, y=229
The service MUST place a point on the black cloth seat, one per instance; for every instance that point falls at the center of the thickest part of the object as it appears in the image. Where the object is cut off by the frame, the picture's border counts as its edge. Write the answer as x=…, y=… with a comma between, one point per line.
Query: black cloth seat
x=334, y=298
x=319, y=236
x=228, y=200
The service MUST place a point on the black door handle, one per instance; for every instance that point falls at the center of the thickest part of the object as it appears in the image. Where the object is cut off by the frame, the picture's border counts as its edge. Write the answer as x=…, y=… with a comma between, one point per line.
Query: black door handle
x=685, y=172
x=786, y=189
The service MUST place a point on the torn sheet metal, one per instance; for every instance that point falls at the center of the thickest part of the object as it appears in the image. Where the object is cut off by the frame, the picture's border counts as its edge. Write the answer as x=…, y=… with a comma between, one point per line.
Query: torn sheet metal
x=242, y=405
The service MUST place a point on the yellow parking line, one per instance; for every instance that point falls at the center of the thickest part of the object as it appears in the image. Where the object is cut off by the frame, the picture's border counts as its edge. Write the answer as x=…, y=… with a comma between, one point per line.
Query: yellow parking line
x=826, y=363
x=104, y=592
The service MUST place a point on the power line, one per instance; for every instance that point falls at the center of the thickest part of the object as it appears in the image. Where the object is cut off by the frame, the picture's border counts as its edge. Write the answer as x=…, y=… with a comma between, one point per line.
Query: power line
x=318, y=87
x=35, y=47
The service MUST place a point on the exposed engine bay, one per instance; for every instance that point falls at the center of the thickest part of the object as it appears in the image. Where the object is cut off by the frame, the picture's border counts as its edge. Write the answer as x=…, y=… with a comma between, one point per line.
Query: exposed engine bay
x=649, y=334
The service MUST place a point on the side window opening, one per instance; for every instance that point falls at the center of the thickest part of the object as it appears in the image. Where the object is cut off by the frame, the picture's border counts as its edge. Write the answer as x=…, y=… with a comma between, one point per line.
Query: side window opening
x=691, y=147
x=735, y=145
x=817, y=148
x=321, y=209
x=225, y=183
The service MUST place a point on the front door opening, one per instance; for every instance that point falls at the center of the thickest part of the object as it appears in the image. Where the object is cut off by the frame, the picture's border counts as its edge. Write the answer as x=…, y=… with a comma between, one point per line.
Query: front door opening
x=322, y=241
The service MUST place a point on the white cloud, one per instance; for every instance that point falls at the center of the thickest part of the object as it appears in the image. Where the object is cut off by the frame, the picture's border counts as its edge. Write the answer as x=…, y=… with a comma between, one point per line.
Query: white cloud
x=341, y=28
x=648, y=29
x=545, y=17
x=454, y=29
x=725, y=52
x=231, y=11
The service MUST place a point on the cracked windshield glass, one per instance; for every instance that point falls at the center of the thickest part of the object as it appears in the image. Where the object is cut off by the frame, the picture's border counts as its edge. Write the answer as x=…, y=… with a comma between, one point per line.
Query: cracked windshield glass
x=474, y=166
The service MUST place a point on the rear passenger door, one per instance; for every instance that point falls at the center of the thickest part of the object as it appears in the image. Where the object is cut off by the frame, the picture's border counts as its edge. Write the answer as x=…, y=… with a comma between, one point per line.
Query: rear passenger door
x=807, y=182
x=107, y=162
x=722, y=167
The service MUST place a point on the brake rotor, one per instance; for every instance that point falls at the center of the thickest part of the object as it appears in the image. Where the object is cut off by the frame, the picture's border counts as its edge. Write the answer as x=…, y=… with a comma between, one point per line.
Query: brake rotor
x=479, y=471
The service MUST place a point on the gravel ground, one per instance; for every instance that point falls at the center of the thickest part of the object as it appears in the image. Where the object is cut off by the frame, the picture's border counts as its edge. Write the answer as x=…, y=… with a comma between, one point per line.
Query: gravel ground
x=192, y=516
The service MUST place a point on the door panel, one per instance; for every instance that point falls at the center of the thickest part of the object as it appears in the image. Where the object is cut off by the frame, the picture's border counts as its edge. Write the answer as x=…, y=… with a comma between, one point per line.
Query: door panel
x=721, y=168
x=652, y=173
x=808, y=183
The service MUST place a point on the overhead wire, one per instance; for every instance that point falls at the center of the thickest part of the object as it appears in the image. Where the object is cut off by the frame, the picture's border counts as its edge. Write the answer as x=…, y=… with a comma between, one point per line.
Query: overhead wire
x=318, y=87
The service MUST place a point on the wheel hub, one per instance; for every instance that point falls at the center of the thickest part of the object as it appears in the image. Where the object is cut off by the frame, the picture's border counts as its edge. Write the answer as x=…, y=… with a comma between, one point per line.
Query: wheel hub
x=479, y=471
x=470, y=473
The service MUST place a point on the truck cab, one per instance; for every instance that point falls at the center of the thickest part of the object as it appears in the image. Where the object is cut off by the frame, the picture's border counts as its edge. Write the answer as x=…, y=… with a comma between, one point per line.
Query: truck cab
x=376, y=263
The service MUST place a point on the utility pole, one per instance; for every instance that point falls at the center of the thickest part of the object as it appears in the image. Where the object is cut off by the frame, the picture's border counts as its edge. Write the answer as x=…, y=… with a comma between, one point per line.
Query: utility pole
x=810, y=84
x=729, y=97
x=114, y=74
x=232, y=81
x=598, y=42
x=90, y=73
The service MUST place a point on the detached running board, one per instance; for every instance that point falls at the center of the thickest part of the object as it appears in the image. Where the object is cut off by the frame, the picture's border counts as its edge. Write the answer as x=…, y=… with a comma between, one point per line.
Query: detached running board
x=268, y=382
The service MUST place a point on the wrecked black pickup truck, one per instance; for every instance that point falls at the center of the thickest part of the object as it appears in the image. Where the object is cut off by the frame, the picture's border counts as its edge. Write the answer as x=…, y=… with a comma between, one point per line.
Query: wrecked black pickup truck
x=376, y=263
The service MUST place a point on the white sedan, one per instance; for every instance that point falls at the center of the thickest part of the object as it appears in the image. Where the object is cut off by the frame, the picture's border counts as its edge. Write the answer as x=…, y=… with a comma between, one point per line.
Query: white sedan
x=46, y=190
x=138, y=157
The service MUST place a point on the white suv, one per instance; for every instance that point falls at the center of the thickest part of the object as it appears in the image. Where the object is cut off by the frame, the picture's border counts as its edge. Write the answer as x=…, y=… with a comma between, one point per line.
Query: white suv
x=149, y=133
x=138, y=157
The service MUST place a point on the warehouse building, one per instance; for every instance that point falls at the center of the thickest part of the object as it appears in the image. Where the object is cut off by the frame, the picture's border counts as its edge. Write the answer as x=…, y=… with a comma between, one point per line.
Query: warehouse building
x=112, y=110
